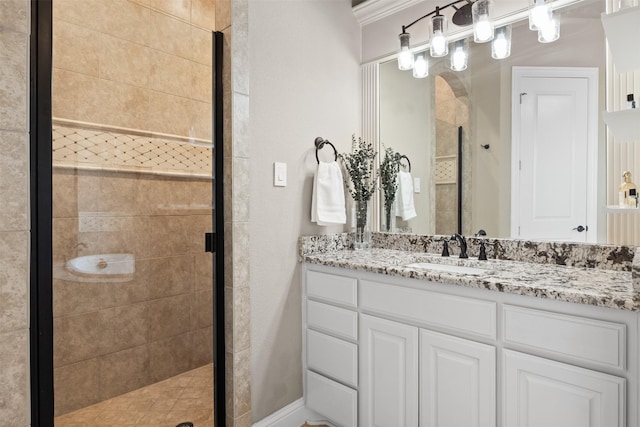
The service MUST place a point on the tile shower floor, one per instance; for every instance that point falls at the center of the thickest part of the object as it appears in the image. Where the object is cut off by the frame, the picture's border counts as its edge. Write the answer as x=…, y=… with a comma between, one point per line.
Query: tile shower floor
x=186, y=397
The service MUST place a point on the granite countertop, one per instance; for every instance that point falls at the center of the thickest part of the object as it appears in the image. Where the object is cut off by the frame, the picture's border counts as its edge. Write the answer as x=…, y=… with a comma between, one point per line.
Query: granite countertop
x=599, y=287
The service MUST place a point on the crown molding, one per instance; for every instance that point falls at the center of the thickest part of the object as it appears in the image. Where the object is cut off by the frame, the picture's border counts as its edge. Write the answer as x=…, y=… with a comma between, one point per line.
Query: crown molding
x=374, y=10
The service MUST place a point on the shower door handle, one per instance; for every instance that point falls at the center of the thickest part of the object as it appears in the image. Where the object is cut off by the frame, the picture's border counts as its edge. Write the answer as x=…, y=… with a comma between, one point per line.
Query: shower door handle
x=210, y=242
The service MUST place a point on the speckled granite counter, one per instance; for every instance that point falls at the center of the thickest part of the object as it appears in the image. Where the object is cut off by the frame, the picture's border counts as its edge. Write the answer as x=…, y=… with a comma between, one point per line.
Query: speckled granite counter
x=611, y=287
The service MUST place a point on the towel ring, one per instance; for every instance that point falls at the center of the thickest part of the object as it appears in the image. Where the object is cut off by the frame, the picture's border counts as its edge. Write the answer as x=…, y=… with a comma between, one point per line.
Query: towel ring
x=319, y=143
x=402, y=156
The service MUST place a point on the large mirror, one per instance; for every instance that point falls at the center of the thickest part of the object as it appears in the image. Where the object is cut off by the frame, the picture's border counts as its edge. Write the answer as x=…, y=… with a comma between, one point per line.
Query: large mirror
x=455, y=127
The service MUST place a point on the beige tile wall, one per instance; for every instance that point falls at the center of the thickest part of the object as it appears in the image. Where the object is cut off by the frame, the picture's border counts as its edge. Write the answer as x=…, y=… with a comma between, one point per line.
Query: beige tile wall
x=142, y=64
x=113, y=337
x=14, y=214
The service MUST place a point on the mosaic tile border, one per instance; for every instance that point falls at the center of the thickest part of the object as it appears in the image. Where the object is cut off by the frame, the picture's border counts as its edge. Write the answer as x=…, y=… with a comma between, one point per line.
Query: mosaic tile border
x=91, y=146
x=446, y=170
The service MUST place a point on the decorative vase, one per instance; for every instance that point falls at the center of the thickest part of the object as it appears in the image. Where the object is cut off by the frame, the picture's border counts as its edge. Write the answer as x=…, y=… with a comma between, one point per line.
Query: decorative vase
x=389, y=218
x=362, y=236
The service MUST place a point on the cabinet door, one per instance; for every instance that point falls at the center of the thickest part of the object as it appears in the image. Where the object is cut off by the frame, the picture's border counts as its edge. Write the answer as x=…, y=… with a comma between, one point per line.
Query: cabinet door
x=457, y=382
x=542, y=393
x=388, y=373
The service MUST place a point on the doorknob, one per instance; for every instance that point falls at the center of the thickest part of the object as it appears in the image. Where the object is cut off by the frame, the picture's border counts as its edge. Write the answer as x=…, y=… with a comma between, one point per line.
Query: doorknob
x=581, y=228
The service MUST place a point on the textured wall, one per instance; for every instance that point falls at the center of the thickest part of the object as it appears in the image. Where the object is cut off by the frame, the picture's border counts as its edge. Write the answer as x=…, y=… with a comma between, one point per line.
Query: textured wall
x=232, y=20
x=134, y=64
x=305, y=82
x=14, y=214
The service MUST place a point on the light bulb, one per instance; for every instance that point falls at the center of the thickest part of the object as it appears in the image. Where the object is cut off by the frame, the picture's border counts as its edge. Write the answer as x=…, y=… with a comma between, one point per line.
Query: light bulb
x=550, y=32
x=459, y=57
x=501, y=46
x=438, y=45
x=405, y=60
x=483, y=31
x=539, y=15
x=482, y=26
x=420, y=66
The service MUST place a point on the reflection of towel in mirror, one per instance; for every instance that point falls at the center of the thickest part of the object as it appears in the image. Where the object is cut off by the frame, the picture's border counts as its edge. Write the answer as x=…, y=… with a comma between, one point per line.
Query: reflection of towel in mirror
x=404, y=196
x=327, y=200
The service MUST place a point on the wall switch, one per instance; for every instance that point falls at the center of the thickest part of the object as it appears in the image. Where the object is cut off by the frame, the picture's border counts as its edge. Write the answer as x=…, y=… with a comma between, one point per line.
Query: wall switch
x=279, y=174
x=416, y=185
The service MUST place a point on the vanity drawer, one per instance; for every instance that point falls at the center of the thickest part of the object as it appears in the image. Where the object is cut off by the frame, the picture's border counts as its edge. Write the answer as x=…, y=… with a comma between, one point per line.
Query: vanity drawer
x=450, y=312
x=576, y=339
x=332, y=357
x=332, y=288
x=335, y=401
x=333, y=320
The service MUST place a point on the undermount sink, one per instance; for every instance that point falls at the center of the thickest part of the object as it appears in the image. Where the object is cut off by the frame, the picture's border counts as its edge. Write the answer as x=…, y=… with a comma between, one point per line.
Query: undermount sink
x=448, y=268
x=102, y=265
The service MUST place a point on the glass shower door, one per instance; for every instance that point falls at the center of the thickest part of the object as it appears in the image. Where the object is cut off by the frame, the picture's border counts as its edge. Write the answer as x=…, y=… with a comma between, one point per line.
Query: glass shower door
x=133, y=197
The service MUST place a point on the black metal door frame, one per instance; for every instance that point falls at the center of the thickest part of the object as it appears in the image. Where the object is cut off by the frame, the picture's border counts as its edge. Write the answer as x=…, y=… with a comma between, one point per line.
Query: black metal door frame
x=41, y=269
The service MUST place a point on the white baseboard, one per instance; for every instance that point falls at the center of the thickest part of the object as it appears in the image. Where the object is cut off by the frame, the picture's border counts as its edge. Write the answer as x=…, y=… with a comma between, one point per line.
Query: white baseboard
x=294, y=414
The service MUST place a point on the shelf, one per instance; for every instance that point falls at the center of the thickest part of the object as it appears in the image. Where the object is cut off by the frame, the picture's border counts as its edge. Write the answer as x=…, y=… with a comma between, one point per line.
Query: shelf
x=621, y=29
x=618, y=209
x=624, y=124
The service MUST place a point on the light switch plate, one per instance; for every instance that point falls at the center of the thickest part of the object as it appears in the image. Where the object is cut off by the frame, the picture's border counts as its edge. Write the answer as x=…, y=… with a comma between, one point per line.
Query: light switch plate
x=279, y=174
x=416, y=185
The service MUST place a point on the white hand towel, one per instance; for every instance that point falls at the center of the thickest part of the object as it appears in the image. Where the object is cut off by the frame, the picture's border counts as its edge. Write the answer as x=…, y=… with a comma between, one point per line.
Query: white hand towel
x=327, y=200
x=404, y=196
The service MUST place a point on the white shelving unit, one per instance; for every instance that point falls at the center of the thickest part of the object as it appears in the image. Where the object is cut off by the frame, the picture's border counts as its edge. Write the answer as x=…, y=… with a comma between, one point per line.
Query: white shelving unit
x=624, y=125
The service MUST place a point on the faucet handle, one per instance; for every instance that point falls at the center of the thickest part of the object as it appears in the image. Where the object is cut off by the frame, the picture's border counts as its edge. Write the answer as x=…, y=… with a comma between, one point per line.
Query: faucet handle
x=445, y=247
x=482, y=256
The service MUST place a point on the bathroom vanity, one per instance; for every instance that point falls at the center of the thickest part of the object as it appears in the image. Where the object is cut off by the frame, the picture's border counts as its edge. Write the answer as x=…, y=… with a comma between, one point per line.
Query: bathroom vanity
x=392, y=339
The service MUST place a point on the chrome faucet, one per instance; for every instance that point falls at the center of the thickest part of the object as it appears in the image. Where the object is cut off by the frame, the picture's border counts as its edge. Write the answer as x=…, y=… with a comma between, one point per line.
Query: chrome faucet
x=463, y=244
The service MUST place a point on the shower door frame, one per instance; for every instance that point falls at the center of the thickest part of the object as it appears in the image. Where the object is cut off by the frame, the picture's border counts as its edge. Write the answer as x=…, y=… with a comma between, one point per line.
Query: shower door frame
x=41, y=198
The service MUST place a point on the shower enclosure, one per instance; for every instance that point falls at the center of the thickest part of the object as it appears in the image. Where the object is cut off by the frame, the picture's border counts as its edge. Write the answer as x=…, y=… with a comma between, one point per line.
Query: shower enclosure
x=136, y=176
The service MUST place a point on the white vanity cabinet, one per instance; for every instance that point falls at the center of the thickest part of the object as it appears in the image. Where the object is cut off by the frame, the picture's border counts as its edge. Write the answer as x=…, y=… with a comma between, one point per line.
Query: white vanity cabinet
x=387, y=351
x=331, y=350
x=389, y=373
x=539, y=392
x=457, y=381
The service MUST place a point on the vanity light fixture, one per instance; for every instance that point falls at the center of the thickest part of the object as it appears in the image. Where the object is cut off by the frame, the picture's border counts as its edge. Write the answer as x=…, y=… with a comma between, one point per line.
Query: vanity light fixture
x=478, y=13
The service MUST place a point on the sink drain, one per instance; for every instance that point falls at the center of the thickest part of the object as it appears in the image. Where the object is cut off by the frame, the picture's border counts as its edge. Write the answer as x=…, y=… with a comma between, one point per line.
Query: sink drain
x=185, y=424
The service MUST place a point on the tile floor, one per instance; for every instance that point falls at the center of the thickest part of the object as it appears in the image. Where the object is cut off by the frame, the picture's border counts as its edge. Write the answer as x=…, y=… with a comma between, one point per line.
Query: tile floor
x=186, y=397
